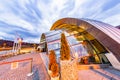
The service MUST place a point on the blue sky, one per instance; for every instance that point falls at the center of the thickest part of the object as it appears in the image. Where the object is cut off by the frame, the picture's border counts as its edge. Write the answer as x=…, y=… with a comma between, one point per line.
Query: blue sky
x=31, y=18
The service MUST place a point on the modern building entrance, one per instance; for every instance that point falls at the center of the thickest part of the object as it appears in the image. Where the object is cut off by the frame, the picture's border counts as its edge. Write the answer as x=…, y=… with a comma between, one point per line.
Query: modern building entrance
x=91, y=40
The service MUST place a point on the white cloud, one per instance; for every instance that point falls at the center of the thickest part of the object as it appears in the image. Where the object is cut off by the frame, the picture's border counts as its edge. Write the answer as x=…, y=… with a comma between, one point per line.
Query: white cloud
x=32, y=40
x=4, y=34
x=112, y=16
x=114, y=20
x=37, y=16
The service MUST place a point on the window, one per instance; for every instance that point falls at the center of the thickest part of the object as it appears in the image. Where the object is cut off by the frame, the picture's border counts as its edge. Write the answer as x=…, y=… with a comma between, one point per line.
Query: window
x=72, y=40
x=54, y=37
x=54, y=46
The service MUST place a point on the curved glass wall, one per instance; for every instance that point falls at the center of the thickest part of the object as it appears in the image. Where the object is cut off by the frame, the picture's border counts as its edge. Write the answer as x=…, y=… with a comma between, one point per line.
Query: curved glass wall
x=54, y=45
x=51, y=33
x=80, y=42
x=53, y=37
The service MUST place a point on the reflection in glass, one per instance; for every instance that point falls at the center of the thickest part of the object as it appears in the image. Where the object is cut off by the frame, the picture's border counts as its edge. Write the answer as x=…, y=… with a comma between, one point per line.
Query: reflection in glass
x=52, y=33
x=72, y=40
x=54, y=37
x=54, y=46
x=82, y=43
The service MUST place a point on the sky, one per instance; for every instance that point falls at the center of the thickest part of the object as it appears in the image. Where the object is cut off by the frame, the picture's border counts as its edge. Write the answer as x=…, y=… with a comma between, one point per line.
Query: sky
x=31, y=18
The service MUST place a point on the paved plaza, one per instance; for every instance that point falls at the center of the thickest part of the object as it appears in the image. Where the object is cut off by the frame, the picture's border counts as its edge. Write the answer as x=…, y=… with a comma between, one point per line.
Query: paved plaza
x=39, y=71
x=99, y=74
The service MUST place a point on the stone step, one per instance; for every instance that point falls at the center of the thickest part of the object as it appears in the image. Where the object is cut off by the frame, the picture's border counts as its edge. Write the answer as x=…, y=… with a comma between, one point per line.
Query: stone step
x=92, y=66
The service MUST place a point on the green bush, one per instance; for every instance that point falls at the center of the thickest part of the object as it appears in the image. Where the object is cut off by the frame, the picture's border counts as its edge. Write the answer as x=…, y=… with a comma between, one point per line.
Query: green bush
x=64, y=50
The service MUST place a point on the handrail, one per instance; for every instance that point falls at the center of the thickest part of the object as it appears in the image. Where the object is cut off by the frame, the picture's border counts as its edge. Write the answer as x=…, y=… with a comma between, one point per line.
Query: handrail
x=16, y=61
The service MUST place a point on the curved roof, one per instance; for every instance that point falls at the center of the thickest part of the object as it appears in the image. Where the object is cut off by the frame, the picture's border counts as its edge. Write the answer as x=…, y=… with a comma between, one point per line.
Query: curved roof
x=106, y=34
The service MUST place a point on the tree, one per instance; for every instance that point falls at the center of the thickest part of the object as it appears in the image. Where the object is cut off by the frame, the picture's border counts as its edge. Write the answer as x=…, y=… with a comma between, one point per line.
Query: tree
x=55, y=70
x=52, y=58
x=53, y=66
x=64, y=50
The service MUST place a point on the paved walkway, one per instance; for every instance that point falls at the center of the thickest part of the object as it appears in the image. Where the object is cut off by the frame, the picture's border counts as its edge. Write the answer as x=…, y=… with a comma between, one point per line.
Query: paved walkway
x=99, y=74
x=93, y=72
x=39, y=71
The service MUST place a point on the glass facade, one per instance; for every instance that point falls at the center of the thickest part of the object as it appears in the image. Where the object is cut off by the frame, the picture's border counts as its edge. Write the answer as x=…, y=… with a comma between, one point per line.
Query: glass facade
x=80, y=41
x=53, y=37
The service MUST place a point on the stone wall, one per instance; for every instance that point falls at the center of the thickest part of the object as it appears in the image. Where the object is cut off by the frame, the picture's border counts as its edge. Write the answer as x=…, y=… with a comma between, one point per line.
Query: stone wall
x=68, y=70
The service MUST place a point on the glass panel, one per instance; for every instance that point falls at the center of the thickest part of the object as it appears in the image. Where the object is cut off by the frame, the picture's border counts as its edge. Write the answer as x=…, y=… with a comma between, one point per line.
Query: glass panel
x=72, y=40
x=49, y=32
x=98, y=47
x=54, y=37
x=53, y=33
x=79, y=37
x=53, y=46
x=57, y=52
x=80, y=50
x=66, y=34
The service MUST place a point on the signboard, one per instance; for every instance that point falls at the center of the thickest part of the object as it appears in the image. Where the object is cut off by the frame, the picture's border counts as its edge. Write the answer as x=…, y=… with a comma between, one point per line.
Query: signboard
x=14, y=65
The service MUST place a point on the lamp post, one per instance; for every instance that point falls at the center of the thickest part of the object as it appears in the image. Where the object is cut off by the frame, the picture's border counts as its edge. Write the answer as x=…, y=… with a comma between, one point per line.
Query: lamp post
x=31, y=65
x=19, y=45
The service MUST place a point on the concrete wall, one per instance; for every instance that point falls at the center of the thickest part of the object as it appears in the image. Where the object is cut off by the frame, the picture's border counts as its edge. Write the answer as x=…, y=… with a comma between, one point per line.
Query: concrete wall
x=113, y=60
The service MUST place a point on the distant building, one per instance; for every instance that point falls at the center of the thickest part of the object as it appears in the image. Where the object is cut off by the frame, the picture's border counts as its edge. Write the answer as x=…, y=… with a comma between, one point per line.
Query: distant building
x=97, y=41
x=10, y=43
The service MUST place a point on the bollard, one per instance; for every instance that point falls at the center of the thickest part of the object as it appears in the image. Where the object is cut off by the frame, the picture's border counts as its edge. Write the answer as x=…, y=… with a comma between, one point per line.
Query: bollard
x=31, y=65
x=30, y=75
